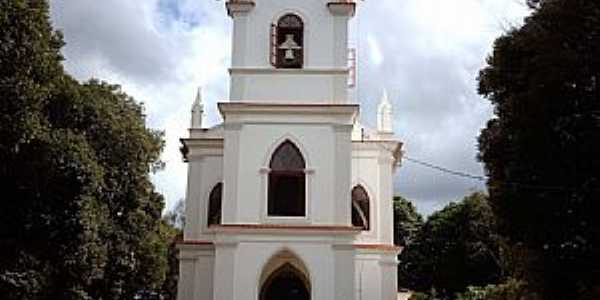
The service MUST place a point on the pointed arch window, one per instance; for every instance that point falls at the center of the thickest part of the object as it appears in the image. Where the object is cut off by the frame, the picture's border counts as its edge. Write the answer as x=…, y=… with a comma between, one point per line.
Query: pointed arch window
x=287, y=42
x=360, y=207
x=214, y=204
x=287, y=182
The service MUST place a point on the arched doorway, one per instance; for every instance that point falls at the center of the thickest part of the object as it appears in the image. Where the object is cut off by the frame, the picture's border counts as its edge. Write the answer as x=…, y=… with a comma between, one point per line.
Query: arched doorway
x=284, y=276
x=285, y=283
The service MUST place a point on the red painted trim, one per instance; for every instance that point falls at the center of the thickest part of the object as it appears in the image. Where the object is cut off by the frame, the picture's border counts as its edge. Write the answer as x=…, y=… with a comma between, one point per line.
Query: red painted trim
x=194, y=242
x=278, y=104
x=241, y=2
x=382, y=247
x=343, y=3
x=287, y=227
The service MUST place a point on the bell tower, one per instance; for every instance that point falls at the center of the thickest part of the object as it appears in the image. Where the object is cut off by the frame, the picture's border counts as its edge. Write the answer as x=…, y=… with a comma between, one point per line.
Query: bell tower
x=286, y=45
x=290, y=197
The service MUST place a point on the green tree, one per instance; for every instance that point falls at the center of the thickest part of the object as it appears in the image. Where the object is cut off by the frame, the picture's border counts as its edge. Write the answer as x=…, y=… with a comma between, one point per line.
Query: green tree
x=176, y=216
x=510, y=290
x=81, y=218
x=455, y=248
x=172, y=229
x=407, y=221
x=541, y=148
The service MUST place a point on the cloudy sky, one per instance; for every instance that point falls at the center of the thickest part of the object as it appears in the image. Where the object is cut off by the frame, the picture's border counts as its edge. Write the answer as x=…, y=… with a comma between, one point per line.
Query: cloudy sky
x=427, y=54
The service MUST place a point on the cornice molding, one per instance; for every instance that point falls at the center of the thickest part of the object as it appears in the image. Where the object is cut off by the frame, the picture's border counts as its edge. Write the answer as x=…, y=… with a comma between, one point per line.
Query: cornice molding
x=273, y=71
x=342, y=8
x=284, y=229
x=288, y=113
x=239, y=7
x=379, y=247
x=194, y=149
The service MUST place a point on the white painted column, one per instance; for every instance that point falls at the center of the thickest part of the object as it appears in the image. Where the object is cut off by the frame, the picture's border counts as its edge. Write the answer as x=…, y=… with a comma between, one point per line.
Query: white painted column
x=344, y=272
x=231, y=157
x=386, y=206
x=225, y=273
x=343, y=174
x=195, y=212
x=389, y=274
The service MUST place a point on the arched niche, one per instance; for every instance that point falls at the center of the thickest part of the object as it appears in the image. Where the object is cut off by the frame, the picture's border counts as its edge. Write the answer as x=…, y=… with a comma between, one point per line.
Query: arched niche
x=215, y=205
x=360, y=207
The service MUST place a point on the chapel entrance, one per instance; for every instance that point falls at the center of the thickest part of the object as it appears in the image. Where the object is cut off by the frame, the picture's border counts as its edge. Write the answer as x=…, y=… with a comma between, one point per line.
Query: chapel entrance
x=286, y=283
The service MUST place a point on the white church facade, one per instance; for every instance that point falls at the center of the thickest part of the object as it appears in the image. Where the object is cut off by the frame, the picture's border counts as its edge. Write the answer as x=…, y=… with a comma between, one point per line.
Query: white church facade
x=290, y=197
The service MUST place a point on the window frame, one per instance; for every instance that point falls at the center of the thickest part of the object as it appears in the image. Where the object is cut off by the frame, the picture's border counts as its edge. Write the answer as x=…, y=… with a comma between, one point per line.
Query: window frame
x=308, y=177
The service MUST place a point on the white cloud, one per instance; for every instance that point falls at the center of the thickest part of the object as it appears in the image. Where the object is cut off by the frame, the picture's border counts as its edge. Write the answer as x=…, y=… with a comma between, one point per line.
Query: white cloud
x=158, y=59
x=426, y=52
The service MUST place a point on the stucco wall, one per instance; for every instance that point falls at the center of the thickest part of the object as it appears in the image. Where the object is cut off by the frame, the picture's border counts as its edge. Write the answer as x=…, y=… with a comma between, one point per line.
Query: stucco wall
x=250, y=147
x=323, y=33
x=372, y=168
x=241, y=266
x=203, y=174
x=325, y=71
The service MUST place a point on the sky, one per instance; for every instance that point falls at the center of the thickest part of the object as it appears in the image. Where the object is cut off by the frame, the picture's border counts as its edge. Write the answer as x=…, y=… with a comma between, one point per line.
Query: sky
x=426, y=53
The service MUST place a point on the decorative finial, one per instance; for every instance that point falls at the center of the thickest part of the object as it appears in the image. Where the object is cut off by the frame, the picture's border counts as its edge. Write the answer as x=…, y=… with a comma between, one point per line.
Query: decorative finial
x=197, y=110
x=384, y=98
x=384, y=114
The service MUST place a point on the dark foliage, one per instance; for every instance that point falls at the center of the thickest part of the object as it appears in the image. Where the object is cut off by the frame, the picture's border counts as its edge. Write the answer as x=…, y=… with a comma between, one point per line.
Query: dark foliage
x=541, y=150
x=407, y=221
x=80, y=215
x=455, y=248
x=172, y=232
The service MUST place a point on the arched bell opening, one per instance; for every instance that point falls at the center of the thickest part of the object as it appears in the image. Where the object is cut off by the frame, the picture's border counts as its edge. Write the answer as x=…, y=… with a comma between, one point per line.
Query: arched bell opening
x=287, y=42
x=285, y=277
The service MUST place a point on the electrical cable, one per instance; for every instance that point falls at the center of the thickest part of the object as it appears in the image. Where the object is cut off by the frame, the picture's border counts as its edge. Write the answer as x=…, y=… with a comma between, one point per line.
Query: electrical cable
x=485, y=178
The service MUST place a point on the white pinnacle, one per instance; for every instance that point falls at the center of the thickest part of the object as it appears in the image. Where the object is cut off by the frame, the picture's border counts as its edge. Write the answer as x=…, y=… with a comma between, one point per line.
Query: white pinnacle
x=384, y=114
x=197, y=110
x=384, y=98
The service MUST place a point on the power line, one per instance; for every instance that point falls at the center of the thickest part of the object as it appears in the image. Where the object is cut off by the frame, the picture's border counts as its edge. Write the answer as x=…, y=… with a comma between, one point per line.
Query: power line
x=485, y=178
x=445, y=170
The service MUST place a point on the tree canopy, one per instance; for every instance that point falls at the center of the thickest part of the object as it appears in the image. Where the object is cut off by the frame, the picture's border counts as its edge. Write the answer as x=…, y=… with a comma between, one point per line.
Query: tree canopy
x=81, y=219
x=407, y=221
x=454, y=248
x=541, y=149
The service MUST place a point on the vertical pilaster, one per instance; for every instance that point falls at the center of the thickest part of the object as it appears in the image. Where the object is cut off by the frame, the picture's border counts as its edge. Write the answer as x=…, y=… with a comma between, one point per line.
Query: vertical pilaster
x=195, y=206
x=231, y=157
x=386, y=190
x=344, y=272
x=389, y=275
x=340, y=57
x=185, y=284
x=196, y=269
x=238, y=11
x=225, y=278
x=343, y=173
